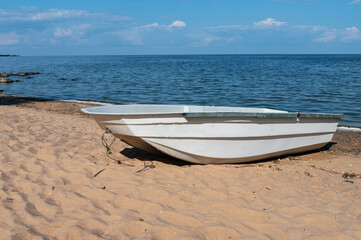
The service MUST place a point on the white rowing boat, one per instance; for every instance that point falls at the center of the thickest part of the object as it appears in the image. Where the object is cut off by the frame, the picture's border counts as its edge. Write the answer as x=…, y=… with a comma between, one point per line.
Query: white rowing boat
x=206, y=134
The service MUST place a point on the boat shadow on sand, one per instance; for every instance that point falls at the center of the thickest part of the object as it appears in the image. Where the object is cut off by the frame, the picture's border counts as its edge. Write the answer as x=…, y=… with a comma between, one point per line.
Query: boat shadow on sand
x=138, y=154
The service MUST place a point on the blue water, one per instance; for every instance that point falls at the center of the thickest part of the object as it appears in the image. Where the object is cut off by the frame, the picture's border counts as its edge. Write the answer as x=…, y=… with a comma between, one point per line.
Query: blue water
x=310, y=83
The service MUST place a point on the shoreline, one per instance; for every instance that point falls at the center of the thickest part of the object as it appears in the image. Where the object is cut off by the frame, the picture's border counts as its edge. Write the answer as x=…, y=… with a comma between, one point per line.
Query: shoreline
x=344, y=134
x=100, y=103
x=72, y=107
x=57, y=182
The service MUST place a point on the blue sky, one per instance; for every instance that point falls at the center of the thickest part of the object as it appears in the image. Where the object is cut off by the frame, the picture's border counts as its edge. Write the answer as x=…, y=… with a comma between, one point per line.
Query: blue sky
x=92, y=27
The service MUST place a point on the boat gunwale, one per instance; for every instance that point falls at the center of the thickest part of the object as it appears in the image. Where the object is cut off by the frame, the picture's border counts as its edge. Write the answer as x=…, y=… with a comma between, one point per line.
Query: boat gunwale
x=220, y=114
x=263, y=115
x=227, y=114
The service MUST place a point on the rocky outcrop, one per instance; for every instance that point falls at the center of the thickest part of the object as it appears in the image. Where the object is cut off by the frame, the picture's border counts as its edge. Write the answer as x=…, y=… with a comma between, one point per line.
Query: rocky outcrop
x=22, y=74
x=4, y=75
x=6, y=80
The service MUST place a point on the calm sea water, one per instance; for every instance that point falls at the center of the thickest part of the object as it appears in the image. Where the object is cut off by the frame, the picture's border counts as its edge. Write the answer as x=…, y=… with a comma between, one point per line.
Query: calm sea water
x=311, y=83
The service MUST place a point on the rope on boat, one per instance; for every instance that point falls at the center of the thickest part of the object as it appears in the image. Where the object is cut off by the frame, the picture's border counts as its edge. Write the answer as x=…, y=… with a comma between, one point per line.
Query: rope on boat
x=149, y=166
x=108, y=151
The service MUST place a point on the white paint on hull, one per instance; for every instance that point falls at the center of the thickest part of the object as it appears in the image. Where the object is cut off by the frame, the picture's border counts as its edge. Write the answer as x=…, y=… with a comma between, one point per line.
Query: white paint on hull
x=225, y=139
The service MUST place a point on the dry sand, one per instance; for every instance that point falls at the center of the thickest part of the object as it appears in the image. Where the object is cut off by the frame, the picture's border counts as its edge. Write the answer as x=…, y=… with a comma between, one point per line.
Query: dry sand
x=50, y=152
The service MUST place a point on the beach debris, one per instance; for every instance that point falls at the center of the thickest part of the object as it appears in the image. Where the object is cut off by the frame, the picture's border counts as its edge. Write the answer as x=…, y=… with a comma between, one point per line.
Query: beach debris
x=277, y=161
x=347, y=175
x=308, y=174
x=98, y=172
x=325, y=169
x=6, y=80
x=9, y=199
x=346, y=180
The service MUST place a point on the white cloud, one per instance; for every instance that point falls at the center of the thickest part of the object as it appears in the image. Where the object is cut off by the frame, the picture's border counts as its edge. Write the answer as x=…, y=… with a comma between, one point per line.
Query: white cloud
x=155, y=25
x=355, y=2
x=132, y=36
x=268, y=23
x=178, y=24
x=351, y=34
x=37, y=14
x=233, y=39
x=203, y=40
x=76, y=30
x=61, y=32
x=57, y=14
x=228, y=28
x=149, y=26
x=137, y=35
x=8, y=39
x=209, y=40
x=326, y=37
x=315, y=28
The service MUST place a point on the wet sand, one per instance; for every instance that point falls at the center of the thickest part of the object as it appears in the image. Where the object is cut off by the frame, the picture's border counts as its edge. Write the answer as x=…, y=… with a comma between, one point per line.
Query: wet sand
x=57, y=183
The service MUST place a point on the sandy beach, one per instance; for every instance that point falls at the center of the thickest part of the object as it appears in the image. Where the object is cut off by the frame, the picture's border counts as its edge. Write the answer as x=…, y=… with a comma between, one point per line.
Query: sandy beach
x=57, y=183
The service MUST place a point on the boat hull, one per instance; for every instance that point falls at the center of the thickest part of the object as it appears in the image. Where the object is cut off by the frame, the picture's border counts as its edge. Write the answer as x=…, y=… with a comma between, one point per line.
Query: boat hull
x=228, y=138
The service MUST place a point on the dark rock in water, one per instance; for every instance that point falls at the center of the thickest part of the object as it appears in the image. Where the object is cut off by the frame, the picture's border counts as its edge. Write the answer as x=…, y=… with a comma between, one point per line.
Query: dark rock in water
x=22, y=74
x=1, y=90
x=6, y=80
x=62, y=79
x=31, y=73
x=17, y=80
